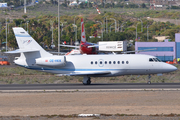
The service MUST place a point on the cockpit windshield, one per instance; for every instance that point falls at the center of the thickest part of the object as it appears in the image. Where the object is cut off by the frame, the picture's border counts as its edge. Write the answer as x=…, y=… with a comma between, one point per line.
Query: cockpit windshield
x=151, y=60
x=154, y=60
x=158, y=59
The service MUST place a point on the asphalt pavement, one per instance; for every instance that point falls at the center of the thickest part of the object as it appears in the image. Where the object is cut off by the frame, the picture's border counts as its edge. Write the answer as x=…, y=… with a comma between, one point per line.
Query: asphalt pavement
x=95, y=86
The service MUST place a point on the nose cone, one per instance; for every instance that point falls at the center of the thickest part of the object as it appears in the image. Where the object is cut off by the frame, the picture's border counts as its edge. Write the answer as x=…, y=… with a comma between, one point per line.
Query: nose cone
x=169, y=68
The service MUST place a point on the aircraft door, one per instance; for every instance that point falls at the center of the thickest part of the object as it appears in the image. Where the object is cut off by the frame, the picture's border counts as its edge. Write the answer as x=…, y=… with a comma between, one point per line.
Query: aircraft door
x=101, y=62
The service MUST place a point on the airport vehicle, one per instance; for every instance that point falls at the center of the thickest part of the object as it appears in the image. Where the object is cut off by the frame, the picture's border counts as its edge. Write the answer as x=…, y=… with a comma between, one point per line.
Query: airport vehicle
x=4, y=60
x=84, y=47
x=172, y=62
x=33, y=56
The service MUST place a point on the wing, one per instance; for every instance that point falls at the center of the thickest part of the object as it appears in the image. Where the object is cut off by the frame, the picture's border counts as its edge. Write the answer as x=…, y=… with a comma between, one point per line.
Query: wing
x=85, y=73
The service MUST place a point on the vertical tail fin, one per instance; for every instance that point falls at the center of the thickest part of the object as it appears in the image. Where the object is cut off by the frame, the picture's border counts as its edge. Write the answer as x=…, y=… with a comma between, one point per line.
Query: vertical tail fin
x=27, y=43
x=83, y=36
x=24, y=40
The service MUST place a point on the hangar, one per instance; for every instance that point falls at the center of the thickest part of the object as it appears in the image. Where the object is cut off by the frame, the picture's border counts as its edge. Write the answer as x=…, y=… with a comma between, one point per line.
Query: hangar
x=165, y=51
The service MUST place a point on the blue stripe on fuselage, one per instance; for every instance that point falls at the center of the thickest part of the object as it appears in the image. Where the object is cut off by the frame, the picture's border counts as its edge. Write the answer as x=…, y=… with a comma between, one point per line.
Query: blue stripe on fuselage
x=22, y=35
x=42, y=68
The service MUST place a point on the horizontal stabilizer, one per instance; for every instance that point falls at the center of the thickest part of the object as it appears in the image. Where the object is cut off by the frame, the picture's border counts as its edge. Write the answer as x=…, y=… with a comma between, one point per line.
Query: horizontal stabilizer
x=61, y=53
x=21, y=51
x=93, y=46
x=85, y=73
x=69, y=46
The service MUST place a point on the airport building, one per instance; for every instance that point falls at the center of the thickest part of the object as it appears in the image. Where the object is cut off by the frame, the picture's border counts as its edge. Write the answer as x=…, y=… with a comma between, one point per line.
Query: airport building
x=165, y=51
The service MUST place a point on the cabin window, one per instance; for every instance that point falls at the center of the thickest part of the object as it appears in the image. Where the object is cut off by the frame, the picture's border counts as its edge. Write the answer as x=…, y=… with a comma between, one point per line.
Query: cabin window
x=100, y=62
x=114, y=62
x=91, y=62
x=127, y=62
x=96, y=62
x=105, y=62
x=122, y=62
x=109, y=62
x=118, y=62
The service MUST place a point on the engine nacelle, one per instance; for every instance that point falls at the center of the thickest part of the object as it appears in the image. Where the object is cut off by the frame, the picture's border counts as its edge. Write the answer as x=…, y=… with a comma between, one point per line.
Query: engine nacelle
x=54, y=61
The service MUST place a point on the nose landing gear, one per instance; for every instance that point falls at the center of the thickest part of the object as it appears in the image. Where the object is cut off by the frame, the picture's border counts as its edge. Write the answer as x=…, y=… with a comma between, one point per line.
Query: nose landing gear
x=149, y=80
x=86, y=80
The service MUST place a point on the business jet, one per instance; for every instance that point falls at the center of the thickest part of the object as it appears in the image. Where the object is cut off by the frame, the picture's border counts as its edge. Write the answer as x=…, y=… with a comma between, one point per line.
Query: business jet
x=84, y=47
x=33, y=56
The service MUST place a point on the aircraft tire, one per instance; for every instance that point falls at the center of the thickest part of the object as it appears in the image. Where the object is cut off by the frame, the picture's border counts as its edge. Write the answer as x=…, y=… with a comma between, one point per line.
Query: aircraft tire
x=88, y=82
x=149, y=82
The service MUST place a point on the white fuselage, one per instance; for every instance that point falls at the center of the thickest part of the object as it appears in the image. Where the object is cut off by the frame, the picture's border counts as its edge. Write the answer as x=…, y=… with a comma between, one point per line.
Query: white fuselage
x=33, y=56
x=122, y=64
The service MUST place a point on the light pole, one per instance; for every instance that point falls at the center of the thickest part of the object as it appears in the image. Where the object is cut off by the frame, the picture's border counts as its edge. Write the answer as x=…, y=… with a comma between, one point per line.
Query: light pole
x=8, y=27
x=101, y=29
x=74, y=22
x=75, y=26
x=6, y=34
x=147, y=33
x=27, y=25
x=21, y=23
x=122, y=25
x=115, y=23
x=118, y=26
x=52, y=31
x=24, y=6
x=62, y=26
x=110, y=26
x=58, y=30
x=106, y=24
x=136, y=30
x=0, y=26
x=141, y=24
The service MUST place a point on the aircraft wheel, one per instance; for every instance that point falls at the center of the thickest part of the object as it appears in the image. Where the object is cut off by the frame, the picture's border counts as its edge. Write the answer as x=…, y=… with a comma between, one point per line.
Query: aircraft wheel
x=89, y=82
x=149, y=82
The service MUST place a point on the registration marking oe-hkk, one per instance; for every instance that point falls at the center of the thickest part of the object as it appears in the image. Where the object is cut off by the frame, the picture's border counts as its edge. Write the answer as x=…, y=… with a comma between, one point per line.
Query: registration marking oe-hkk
x=53, y=60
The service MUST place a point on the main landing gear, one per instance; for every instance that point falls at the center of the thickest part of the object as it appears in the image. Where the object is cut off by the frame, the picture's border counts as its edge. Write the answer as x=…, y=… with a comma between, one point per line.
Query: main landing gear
x=86, y=80
x=149, y=80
